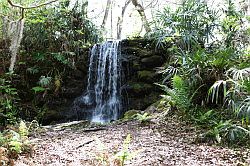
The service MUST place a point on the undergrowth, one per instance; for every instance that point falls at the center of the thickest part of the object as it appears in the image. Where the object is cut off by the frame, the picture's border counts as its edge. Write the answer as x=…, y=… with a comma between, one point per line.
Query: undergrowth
x=13, y=142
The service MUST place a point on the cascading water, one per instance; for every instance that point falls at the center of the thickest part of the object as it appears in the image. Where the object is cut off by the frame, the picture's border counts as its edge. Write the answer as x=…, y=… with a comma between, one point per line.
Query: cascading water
x=102, y=99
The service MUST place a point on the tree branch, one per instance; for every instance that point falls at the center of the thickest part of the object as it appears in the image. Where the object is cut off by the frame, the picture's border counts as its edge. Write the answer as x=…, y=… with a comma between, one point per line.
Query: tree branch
x=30, y=7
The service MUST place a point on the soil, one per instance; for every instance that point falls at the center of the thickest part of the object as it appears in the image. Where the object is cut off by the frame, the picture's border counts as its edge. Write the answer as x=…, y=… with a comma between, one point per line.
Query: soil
x=158, y=143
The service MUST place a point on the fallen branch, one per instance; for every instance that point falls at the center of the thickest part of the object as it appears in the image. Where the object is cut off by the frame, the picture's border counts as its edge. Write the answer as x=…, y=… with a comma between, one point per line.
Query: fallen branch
x=86, y=143
x=93, y=129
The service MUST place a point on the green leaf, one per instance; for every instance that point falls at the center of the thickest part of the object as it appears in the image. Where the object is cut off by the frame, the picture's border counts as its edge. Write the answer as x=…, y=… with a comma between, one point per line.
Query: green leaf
x=38, y=89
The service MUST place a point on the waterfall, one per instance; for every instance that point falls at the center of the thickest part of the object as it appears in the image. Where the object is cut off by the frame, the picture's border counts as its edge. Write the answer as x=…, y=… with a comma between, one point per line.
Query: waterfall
x=102, y=100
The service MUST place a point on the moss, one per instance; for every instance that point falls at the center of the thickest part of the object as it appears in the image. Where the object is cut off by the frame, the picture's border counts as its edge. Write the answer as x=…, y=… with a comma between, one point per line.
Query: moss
x=140, y=42
x=153, y=61
x=146, y=75
x=145, y=53
x=136, y=65
x=131, y=50
x=163, y=105
x=130, y=114
x=141, y=87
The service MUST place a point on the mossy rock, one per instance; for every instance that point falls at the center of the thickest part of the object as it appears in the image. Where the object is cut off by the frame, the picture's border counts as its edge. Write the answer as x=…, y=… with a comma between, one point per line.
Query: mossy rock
x=136, y=65
x=146, y=75
x=130, y=114
x=139, y=88
x=153, y=61
x=131, y=50
x=163, y=105
x=145, y=53
x=138, y=42
x=141, y=103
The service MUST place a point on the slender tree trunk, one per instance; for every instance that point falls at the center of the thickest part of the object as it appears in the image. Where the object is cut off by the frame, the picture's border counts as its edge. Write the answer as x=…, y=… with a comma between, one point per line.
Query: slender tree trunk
x=108, y=6
x=16, y=38
x=16, y=30
x=120, y=19
x=141, y=11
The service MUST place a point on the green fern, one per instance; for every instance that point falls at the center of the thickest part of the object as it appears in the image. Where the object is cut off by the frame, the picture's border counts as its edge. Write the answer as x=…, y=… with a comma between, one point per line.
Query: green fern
x=23, y=130
x=143, y=118
x=180, y=94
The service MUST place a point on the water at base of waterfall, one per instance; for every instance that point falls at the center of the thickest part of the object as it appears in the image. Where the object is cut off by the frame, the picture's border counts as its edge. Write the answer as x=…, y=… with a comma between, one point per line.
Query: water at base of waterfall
x=102, y=99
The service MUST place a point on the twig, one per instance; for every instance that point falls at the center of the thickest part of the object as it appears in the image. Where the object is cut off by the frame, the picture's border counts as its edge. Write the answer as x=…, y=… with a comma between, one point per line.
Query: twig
x=93, y=129
x=86, y=143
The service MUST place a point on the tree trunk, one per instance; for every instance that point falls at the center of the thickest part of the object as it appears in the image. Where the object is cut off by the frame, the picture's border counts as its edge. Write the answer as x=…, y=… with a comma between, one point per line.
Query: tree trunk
x=120, y=19
x=16, y=38
x=141, y=11
x=16, y=30
x=106, y=13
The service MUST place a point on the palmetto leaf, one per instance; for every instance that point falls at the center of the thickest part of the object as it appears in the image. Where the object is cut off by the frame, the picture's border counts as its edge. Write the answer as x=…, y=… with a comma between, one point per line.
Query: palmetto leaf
x=214, y=90
x=239, y=74
x=244, y=107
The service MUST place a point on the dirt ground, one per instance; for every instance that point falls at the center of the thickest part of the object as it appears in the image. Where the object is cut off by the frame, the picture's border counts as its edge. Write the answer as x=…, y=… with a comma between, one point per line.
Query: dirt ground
x=155, y=144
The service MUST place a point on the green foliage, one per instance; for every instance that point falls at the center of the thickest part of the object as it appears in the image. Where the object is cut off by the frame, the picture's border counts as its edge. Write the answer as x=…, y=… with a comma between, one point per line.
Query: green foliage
x=225, y=131
x=60, y=29
x=143, y=118
x=235, y=91
x=14, y=143
x=130, y=114
x=215, y=89
x=192, y=24
x=38, y=89
x=210, y=55
x=125, y=154
x=23, y=130
x=178, y=96
x=204, y=119
x=119, y=158
x=8, y=102
x=45, y=81
x=181, y=94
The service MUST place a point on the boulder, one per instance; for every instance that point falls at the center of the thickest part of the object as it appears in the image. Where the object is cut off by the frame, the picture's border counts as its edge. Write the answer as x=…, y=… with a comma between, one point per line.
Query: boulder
x=130, y=114
x=153, y=61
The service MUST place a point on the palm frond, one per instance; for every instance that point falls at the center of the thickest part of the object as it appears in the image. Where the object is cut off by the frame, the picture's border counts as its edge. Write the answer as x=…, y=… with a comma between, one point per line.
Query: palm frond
x=215, y=88
x=239, y=74
x=244, y=107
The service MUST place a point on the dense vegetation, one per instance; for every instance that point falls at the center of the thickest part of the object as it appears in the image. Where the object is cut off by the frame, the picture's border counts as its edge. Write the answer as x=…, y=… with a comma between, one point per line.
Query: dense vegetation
x=207, y=76
x=206, y=79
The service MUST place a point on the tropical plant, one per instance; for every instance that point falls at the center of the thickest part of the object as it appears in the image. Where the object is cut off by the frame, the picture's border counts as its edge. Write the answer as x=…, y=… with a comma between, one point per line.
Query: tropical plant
x=191, y=25
x=208, y=55
x=8, y=102
x=234, y=90
x=225, y=131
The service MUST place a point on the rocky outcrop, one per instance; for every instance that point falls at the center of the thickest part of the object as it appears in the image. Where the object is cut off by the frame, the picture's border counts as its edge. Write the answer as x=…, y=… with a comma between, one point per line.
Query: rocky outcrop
x=142, y=60
x=139, y=61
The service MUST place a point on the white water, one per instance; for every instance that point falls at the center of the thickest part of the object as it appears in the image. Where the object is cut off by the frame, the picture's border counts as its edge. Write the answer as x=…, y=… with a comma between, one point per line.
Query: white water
x=104, y=82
